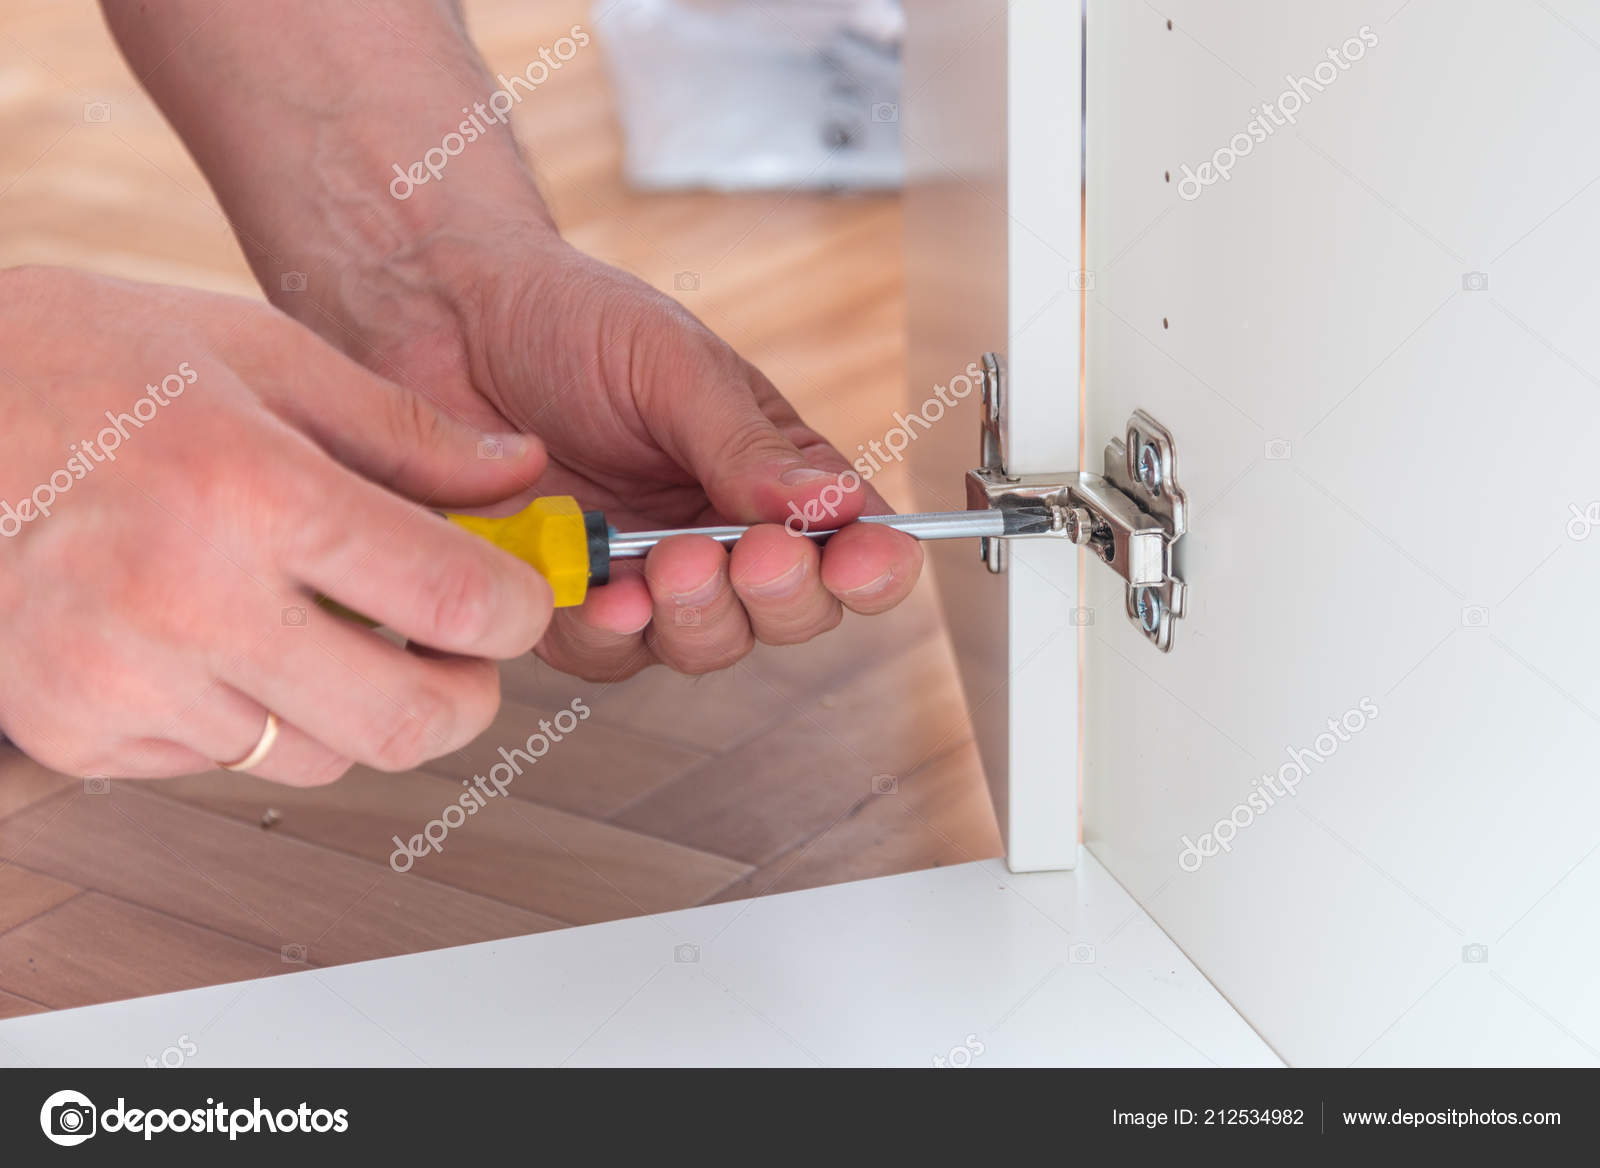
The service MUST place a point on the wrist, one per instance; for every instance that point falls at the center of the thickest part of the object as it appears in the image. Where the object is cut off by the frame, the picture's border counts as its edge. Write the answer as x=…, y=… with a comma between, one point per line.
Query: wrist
x=347, y=145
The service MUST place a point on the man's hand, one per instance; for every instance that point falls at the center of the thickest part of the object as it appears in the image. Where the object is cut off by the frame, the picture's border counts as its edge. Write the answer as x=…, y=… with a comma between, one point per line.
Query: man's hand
x=650, y=417
x=177, y=484
x=464, y=292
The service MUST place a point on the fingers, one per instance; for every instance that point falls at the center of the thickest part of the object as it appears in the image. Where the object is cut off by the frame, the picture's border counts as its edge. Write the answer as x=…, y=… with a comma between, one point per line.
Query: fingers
x=777, y=577
x=298, y=760
x=364, y=698
x=698, y=624
x=871, y=568
x=603, y=640
x=728, y=435
x=420, y=575
x=700, y=609
x=758, y=461
x=226, y=725
x=390, y=434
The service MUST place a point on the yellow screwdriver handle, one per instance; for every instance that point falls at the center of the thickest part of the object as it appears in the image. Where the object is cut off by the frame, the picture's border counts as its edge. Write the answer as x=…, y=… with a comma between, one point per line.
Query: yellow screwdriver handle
x=553, y=535
x=565, y=545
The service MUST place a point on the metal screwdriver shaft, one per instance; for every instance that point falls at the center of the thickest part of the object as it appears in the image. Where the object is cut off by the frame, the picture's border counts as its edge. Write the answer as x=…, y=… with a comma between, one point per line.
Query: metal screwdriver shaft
x=573, y=548
x=633, y=545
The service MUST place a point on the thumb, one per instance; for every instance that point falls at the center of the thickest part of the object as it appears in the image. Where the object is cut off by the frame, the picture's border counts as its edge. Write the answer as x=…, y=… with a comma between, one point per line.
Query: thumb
x=758, y=462
x=399, y=439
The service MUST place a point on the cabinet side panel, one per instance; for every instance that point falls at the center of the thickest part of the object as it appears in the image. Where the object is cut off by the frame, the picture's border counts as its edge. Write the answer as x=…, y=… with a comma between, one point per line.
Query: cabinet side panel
x=1360, y=790
x=981, y=278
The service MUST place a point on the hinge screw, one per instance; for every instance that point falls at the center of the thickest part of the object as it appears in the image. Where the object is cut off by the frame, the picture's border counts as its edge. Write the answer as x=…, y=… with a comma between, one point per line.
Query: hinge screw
x=1148, y=606
x=1150, y=468
x=1077, y=523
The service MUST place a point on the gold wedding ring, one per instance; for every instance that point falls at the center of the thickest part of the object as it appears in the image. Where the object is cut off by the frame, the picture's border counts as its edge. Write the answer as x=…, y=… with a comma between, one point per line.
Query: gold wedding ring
x=269, y=735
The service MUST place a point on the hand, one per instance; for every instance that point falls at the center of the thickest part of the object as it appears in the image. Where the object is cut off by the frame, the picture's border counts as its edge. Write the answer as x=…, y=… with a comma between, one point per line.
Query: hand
x=463, y=291
x=650, y=417
x=177, y=483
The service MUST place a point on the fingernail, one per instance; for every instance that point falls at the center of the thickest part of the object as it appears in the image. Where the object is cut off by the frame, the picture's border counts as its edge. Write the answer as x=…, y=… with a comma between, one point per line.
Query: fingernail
x=700, y=594
x=872, y=586
x=781, y=586
x=802, y=476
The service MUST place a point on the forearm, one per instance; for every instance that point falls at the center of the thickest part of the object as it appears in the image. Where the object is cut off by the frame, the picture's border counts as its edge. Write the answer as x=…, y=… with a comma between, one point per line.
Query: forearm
x=313, y=121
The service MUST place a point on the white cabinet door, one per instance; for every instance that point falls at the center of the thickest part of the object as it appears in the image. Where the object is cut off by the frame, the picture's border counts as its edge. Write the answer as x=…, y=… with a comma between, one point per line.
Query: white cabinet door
x=1350, y=254
x=992, y=130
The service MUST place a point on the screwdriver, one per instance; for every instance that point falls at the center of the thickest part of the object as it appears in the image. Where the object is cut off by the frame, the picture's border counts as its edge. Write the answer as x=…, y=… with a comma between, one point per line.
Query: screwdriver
x=573, y=549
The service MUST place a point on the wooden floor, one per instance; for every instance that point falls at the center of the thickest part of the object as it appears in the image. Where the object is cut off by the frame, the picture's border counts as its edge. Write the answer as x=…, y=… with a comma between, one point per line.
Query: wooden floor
x=846, y=758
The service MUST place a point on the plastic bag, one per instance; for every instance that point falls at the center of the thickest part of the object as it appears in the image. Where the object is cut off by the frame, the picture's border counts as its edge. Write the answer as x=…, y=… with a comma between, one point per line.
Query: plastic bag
x=736, y=95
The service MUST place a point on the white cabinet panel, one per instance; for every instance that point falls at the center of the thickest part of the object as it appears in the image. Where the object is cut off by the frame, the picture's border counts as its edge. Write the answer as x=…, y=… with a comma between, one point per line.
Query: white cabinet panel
x=1374, y=344
x=965, y=966
x=993, y=149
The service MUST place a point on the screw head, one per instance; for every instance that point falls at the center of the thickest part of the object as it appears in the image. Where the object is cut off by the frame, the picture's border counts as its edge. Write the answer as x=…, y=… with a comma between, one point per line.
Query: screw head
x=1148, y=605
x=1077, y=524
x=1150, y=467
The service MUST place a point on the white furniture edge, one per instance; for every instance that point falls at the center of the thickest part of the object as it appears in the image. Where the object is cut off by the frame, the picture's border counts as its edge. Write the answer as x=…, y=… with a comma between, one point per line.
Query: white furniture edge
x=968, y=965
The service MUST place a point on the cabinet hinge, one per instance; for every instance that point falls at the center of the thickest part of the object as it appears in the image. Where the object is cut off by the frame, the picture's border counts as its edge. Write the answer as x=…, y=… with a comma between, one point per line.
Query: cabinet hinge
x=1128, y=517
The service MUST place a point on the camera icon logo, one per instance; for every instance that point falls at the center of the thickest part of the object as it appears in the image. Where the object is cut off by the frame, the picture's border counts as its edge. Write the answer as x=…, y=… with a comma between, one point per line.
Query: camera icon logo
x=687, y=617
x=294, y=617
x=885, y=111
x=1475, y=616
x=686, y=282
x=1081, y=281
x=68, y=1118
x=686, y=954
x=1081, y=954
x=1475, y=282
x=293, y=954
x=1475, y=954
x=292, y=282
x=97, y=111
x=1278, y=449
x=96, y=785
x=1082, y=617
x=885, y=785
x=491, y=448
x=1582, y=522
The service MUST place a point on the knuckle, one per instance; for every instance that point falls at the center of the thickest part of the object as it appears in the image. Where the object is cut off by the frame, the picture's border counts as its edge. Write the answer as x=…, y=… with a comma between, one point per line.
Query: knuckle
x=414, y=423
x=461, y=601
x=700, y=659
x=755, y=437
x=786, y=635
x=799, y=632
x=413, y=736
